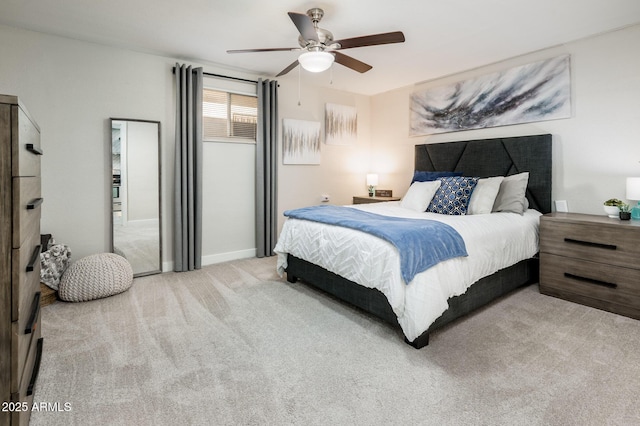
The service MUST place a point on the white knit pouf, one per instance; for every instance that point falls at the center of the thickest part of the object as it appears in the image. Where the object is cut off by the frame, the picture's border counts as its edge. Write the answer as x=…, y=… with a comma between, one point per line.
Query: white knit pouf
x=94, y=277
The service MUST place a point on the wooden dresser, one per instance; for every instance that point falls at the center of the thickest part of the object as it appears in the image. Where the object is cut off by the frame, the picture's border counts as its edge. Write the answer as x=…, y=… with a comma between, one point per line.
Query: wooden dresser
x=20, y=203
x=592, y=260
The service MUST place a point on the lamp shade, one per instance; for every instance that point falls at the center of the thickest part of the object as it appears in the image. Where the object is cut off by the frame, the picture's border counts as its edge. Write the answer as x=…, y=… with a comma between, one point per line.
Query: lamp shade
x=633, y=188
x=372, y=179
x=316, y=61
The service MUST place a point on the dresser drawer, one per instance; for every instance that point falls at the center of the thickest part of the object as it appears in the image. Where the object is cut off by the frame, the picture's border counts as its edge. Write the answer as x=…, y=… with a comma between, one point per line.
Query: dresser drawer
x=26, y=147
x=26, y=208
x=611, y=288
x=28, y=382
x=24, y=331
x=25, y=281
x=614, y=245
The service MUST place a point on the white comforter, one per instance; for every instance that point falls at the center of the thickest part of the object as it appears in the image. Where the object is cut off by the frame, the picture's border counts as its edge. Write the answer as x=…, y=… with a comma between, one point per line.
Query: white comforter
x=494, y=241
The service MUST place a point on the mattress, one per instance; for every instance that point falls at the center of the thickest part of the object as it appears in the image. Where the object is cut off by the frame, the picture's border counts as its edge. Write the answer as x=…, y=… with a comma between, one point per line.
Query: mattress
x=493, y=241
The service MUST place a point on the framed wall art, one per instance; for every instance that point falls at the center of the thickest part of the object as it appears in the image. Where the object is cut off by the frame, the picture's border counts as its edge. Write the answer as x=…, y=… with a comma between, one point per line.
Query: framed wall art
x=534, y=92
x=340, y=124
x=300, y=141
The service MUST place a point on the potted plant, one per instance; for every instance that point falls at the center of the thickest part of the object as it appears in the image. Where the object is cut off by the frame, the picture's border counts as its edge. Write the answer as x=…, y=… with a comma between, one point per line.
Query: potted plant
x=611, y=207
x=625, y=211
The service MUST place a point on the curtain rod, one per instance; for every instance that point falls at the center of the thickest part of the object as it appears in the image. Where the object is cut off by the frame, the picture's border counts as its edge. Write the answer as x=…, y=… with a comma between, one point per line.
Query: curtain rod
x=225, y=76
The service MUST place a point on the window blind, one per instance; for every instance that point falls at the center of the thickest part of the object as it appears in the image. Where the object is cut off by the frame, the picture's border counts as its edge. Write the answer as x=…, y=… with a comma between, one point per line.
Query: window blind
x=229, y=115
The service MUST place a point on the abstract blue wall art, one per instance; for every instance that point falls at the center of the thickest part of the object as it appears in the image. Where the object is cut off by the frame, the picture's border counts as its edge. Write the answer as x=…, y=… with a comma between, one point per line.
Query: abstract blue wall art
x=534, y=92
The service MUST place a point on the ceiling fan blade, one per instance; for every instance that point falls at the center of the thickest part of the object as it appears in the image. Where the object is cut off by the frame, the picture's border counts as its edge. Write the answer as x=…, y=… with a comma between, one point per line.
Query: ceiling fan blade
x=275, y=49
x=304, y=25
x=371, y=40
x=352, y=63
x=287, y=69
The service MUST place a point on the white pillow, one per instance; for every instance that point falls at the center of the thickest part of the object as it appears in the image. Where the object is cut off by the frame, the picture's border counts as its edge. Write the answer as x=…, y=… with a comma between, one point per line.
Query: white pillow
x=419, y=195
x=484, y=195
x=511, y=196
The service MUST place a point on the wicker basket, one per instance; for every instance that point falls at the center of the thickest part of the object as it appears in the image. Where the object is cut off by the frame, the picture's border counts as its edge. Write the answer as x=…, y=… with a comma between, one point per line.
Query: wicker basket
x=47, y=295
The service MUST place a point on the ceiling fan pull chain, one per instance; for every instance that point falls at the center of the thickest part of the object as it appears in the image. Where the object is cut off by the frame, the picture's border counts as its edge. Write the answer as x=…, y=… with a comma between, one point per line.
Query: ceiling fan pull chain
x=299, y=85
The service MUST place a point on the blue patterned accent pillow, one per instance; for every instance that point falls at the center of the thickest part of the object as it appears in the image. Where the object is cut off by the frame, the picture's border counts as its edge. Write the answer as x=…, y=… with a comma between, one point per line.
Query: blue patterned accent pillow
x=453, y=196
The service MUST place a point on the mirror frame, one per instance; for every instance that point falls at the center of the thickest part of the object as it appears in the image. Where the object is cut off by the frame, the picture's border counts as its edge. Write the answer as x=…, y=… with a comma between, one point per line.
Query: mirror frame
x=111, y=121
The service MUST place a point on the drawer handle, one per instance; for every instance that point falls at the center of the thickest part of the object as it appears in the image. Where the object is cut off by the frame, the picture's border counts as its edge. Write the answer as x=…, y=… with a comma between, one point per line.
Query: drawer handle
x=591, y=280
x=36, y=368
x=33, y=319
x=35, y=203
x=34, y=149
x=591, y=244
x=35, y=257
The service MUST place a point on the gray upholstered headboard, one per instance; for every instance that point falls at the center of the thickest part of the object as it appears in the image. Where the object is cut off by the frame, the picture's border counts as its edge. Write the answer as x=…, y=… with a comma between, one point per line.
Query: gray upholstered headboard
x=496, y=157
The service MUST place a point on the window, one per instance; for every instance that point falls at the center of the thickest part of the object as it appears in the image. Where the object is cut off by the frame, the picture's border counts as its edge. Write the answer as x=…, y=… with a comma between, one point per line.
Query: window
x=228, y=115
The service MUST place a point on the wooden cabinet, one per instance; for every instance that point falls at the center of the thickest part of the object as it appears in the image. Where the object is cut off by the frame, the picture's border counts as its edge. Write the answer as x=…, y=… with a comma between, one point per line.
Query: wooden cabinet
x=20, y=203
x=592, y=260
x=365, y=199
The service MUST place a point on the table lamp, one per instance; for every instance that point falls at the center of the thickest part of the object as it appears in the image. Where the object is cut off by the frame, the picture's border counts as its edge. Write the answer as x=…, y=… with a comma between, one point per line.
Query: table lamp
x=372, y=182
x=633, y=193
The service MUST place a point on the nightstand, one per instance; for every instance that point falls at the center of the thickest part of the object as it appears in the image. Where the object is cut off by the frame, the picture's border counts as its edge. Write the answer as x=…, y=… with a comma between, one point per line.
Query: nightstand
x=591, y=260
x=365, y=199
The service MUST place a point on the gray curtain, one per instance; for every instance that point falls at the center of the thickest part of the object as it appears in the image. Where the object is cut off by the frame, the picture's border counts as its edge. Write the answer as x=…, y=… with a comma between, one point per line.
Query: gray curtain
x=187, y=238
x=266, y=168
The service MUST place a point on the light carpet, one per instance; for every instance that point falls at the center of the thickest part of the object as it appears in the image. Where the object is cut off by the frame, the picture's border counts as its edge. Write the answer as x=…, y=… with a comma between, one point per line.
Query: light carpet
x=234, y=344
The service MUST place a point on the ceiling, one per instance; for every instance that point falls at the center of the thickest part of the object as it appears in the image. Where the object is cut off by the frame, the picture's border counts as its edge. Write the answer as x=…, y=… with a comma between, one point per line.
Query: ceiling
x=442, y=37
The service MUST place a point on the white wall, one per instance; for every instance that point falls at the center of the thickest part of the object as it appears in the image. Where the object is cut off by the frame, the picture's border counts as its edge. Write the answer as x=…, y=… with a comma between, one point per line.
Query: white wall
x=593, y=151
x=228, y=202
x=342, y=169
x=72, y=88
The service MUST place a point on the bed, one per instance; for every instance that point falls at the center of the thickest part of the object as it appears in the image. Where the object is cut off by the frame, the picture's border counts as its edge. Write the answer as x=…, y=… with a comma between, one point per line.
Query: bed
x=478, y=158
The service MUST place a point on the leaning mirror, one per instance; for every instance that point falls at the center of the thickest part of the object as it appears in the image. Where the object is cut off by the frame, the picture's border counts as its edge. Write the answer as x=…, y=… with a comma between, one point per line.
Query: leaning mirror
x=135, y=207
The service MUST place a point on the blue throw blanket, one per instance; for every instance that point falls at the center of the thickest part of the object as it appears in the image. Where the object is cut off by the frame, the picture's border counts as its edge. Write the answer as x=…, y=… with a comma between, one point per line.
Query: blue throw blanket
x=421, y=243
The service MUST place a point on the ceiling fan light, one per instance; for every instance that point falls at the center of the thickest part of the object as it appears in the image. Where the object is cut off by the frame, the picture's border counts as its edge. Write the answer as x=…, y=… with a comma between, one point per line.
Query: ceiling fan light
x=316, y=61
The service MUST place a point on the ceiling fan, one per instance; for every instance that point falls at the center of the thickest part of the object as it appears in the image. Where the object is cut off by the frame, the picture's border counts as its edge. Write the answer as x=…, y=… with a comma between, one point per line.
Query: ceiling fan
x=321, y=50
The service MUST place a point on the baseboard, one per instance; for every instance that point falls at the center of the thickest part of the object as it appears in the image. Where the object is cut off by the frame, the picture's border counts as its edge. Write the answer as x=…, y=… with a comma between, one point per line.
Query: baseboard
x=225, y=257
x=217, y=258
